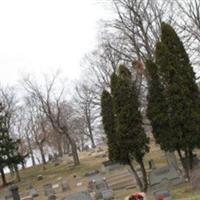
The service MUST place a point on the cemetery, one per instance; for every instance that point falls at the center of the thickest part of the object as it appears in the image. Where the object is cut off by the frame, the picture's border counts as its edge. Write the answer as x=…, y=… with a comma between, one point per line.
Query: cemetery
x=100, y=114
x=114, y=182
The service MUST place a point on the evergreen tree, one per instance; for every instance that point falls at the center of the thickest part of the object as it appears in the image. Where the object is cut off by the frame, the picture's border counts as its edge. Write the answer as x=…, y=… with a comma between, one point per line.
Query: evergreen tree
x=108, y=120
x=9, y=156
x=157, y=108
x=132, y=141
x=181, y=92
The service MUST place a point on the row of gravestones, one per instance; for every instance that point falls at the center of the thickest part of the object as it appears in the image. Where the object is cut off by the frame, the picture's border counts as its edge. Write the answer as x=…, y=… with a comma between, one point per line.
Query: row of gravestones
x=49, y=191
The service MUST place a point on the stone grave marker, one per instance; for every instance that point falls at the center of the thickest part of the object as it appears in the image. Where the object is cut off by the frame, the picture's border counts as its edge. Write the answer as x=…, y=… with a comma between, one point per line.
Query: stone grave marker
x=27, y=198
x=65, y=186
x=171, y=159
x=195, y=162
x=33, y=193
x=164, y=174
x=78, y=196
x=55, y=186
x=40, y=177
x=15, y=193
x=7, y=194
x=108, y=166
x=107, y=195
x=195, y=179
x=48, y=189
x=91, y=173
x=52, y=197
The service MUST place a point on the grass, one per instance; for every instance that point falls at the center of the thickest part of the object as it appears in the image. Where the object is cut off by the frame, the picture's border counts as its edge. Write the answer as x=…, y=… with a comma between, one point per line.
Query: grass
x=89, y=162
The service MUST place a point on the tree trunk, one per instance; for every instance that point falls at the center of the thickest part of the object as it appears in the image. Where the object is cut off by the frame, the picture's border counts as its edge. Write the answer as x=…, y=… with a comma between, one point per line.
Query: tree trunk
x=73, y=146
x=190, y=159
x=74, y=152
x=31, y=150
x=3, y=177
x=17, y=173
x=139, y=182
x=182, y=162
x=65, y=145
x=91, y=135
x=23, y=165
x=59, y=140
x=42, y=156
x=144, y=175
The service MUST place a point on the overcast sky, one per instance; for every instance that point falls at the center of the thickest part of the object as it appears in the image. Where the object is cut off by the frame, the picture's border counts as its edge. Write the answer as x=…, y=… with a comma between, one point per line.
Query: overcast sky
x=41, y=36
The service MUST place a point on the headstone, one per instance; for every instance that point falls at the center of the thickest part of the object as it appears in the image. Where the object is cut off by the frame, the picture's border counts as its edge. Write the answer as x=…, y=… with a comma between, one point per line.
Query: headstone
x=107, y=194
x=65, y=186
x=56, y=163
x=33, y=193
x=15, y=193
x=59, y=179
x=39, y=177
x=91, y=173
x=171, y=159
x=7, y=194
x=52, y=197
x=108, y=166
x=195, y=161
x=55, y=186
x=29, y=186
x=195, y=179
x=163, y=174
x=48, y=189
x=27, y=198
x=78, y=196
x=162, y=193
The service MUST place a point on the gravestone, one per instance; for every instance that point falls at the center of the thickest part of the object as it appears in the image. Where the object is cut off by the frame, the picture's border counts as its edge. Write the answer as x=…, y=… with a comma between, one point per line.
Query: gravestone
x=15, y=193
x=52, y=197
x=29, y=186
x=7, y=194
x=91, y=173
x=55, y=186
x=195, y=179
x=107, y=195
x=108, y=166
x=164, y=174
x=171, y=159
x=33, y=193
x=78, y=196
x=195, y=161
x=162, y=193
x=40, y=177
x=65, y=186
x=48, y=189
x=27, y=198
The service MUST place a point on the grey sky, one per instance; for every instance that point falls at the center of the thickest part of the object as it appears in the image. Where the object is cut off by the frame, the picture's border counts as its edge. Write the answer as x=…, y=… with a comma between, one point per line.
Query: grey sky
x=44, y=35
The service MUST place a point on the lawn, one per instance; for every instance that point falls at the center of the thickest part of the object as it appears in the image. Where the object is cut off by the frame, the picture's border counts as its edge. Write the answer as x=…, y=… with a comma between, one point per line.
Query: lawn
x=52, y=174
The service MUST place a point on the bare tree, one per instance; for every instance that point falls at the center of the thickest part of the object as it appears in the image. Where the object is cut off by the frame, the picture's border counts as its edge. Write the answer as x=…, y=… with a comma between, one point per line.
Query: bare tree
x=189, y=25
x=87, y=109
x=24, y=130
x=52, y=103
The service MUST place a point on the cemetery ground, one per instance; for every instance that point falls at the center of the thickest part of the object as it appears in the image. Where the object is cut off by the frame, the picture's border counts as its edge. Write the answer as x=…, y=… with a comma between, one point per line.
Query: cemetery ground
x=89, y=162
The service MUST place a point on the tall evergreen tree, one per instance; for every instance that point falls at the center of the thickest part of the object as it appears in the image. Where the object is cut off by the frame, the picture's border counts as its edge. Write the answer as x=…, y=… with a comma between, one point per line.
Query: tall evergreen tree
x=181, y=91
x=9, y=156
x=157, y=108
x=108, y=119
x=131, y=139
